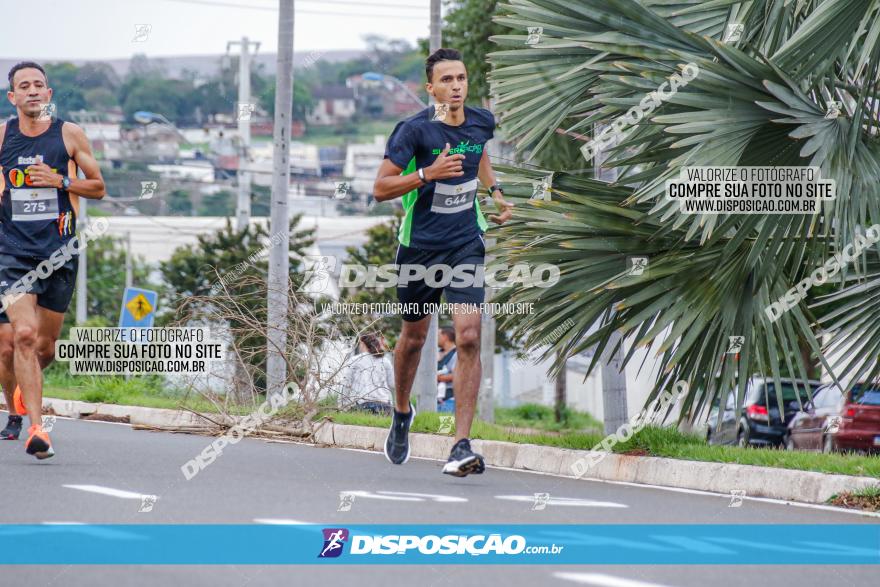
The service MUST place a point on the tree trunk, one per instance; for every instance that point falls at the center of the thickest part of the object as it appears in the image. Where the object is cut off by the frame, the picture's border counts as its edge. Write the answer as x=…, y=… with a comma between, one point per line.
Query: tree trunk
x=560, y=395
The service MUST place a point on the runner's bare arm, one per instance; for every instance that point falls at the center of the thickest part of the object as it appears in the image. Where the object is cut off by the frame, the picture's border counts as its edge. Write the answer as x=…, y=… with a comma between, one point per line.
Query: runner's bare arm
x=81, y=152
x=487, y=178
x=486, y=173
x=2, y=136
x=390, y=184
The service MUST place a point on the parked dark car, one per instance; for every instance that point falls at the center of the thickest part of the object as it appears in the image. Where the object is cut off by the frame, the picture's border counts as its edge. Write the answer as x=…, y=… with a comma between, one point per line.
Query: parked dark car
x=760, y=423
x=834, y=421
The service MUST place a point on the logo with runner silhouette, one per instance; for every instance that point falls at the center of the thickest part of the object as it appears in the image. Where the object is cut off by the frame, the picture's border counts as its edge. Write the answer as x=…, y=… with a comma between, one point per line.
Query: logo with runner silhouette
x=334, y=540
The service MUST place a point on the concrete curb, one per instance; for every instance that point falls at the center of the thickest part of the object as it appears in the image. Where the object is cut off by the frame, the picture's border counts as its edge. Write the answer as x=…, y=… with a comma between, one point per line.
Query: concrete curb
x=753, y=481
x=137, y=415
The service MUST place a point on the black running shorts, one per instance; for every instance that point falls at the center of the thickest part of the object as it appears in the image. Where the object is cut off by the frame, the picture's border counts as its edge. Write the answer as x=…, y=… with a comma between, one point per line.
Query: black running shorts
x=417, y=294
x=53, y=292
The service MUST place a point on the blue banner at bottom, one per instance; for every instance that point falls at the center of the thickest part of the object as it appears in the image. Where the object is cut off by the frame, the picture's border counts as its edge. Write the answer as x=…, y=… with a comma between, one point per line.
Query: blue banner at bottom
x=544, y=544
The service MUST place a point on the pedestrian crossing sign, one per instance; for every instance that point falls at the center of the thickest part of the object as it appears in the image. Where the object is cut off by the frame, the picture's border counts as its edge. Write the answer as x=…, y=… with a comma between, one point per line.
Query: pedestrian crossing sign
x=139, y=307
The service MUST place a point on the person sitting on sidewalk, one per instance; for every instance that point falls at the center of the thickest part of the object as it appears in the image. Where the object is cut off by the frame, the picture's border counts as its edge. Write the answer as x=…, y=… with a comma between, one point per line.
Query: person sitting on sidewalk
x=369, y=378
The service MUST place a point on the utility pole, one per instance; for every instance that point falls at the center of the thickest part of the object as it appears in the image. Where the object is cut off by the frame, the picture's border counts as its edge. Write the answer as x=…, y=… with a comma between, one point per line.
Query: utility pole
x=436, y=35
x=279, y=254
x=487, y=354
x=128, y=271
x=614, y=386
x=425, y=383
x=614, y=405
x=82, y=274
x=243, y=115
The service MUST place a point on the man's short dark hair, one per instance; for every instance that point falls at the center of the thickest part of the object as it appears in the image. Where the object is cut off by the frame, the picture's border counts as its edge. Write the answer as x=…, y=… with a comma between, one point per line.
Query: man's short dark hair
x=449, y=332
x=438, y=56
x=25, y=65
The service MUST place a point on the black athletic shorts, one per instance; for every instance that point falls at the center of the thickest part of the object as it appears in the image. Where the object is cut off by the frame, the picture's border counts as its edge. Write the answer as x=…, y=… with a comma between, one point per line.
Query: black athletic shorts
x=53, y=292
x=417, y=294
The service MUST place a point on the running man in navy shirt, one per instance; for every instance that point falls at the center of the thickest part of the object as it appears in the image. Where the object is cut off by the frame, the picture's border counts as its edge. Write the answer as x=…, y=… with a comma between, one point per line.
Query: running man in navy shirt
x=434, y=160
x=39, y=159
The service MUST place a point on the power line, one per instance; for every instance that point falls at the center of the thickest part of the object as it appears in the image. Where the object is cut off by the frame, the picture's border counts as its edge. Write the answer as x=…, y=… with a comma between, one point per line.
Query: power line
x=215, y=4
x=349, y=3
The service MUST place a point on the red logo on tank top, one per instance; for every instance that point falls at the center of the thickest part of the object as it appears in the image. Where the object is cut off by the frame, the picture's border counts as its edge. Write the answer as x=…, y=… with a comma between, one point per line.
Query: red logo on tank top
x=20, y=177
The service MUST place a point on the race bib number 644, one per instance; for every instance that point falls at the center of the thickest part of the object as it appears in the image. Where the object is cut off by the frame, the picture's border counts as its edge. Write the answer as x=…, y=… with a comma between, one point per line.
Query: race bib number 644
x=450, y=198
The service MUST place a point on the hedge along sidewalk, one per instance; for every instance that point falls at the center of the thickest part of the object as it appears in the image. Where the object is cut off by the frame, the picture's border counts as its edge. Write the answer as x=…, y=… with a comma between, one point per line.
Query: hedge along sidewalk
x=752, y=480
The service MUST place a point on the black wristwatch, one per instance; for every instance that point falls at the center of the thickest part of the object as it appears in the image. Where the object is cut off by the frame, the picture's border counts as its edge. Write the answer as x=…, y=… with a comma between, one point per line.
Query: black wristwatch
x=65, y=183
x=494, y=187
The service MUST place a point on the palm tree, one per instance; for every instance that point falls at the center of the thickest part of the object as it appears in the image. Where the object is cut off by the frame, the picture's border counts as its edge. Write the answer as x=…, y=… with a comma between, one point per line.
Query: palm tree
x=757, y=101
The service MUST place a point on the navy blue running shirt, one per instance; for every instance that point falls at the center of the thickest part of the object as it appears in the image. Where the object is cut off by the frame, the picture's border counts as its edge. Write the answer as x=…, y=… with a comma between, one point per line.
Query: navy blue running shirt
x=444, y=213
x=34, y=221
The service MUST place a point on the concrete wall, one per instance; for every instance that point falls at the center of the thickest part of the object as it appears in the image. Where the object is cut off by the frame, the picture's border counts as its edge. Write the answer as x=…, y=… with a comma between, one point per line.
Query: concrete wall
x=527, y=382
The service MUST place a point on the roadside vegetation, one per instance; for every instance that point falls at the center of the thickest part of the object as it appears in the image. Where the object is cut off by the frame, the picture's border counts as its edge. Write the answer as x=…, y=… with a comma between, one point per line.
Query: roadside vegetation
x=863, y=499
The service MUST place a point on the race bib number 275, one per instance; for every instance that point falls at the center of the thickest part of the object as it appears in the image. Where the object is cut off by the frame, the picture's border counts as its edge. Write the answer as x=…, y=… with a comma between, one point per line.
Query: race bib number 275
x=31, y=204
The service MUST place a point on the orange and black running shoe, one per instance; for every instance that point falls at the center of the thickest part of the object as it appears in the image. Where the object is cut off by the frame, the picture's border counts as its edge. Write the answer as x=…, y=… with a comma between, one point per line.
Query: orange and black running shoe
x=38, y=443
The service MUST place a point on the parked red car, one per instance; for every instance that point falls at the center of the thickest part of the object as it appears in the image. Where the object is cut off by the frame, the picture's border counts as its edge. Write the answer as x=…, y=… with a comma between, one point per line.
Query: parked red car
x=833, y=422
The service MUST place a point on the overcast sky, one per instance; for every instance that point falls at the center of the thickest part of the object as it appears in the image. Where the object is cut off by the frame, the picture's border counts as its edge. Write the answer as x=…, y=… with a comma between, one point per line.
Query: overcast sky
x=106, y=29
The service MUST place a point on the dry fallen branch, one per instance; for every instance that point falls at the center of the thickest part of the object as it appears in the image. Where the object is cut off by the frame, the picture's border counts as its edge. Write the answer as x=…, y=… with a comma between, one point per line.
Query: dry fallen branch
x=315, y=353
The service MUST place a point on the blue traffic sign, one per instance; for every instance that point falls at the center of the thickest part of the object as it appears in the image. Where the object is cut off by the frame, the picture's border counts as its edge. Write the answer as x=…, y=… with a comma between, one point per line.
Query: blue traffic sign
x=138, y=308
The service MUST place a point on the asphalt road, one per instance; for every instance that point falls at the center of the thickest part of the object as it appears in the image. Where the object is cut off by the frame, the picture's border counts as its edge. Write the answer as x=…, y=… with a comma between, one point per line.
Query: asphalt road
x=102, y=472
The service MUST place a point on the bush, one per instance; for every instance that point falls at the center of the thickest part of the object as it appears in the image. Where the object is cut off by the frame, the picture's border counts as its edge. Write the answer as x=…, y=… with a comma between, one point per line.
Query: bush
x=533, y=412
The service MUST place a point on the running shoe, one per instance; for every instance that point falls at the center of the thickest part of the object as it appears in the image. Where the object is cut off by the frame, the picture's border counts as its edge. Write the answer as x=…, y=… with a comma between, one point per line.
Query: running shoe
x=463, y=461
x=19, y=403
x=12, y=430
x=38, y=443
x=397, y=443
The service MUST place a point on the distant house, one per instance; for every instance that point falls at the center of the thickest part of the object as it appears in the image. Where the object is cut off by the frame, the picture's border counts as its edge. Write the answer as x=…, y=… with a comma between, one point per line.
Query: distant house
x=384, y=96
x=334, y=104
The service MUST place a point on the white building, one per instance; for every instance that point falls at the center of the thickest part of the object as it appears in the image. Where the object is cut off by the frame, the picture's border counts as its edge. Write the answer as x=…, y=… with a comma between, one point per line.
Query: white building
x=193, y=171
x=334, y=104
x=362, y=163
x=156, y=237
x=518, y=382
x=304, y=160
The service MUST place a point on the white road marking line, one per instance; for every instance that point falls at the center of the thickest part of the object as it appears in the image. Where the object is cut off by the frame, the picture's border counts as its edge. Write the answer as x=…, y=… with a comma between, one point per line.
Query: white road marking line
x=120, y=493
x=565, y=501
x=279, y=522
x=603, y=580
x=428, y=496
x=371, y=495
